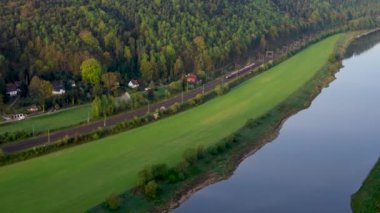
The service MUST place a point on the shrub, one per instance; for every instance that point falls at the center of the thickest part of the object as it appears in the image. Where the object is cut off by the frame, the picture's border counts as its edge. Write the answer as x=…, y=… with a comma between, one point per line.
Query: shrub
x=172, y=178
x=175, y=86
x=201, y=152
x=181, y=167
x=213, y=150
x=190, y=155
x=174, y=108
x=181, y=176
x=151, y=189
x=191, y=102
x=160, y=171
x=136, y=121
x=199, y=98
x=221, y=89
x=95, y=136
x=2, y=155
x=145, y=175
x=227, y=144
x=221, y=147
x=333, y=58
x=113, y=202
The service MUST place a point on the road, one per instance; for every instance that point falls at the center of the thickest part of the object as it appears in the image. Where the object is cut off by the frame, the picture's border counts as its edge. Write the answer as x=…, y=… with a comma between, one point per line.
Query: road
x=112, y=120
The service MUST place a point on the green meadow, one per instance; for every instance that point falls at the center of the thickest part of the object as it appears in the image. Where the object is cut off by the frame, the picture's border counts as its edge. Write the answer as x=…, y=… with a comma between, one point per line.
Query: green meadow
x=75, y=179
x=52, y=121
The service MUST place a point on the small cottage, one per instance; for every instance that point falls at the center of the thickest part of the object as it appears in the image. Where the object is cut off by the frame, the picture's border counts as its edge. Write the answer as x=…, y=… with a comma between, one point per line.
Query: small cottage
x=133, y=84
x=12, y=89
x=191, y=78
x=58, y=88
x=32, y=109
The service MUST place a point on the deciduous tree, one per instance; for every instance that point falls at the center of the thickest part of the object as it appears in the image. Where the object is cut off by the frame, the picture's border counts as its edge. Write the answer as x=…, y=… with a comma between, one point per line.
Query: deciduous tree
x=91, y=71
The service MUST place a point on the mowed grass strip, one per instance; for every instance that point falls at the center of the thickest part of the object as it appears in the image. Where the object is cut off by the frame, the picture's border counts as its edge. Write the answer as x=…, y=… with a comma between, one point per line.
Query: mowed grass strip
x=48, y=121
x=75, y=179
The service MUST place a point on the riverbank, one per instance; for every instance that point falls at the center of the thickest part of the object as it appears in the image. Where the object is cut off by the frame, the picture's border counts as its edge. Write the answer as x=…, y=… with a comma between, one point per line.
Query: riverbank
x=251, y=139
x=367, y=199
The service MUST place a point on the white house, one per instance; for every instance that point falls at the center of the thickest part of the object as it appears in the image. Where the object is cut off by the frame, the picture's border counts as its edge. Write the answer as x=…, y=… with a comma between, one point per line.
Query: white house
x=133, y=84
x=58, y=88
x=12, y=90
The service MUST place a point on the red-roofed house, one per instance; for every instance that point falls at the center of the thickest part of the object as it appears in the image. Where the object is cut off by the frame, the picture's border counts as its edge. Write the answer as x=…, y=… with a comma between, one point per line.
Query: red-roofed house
x=191, y=78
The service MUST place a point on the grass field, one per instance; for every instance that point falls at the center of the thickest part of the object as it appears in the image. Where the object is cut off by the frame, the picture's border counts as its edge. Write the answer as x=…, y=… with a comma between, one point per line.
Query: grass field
x=75, y=179
x=367, y=199
x=51, y=121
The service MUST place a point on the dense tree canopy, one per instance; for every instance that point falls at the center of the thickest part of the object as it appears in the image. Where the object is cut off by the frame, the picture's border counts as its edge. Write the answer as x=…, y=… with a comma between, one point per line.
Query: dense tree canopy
x=91, y=71
x=156, y=40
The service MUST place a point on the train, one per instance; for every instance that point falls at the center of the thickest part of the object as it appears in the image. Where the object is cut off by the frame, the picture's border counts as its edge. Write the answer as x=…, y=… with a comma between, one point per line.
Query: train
x=239, y=72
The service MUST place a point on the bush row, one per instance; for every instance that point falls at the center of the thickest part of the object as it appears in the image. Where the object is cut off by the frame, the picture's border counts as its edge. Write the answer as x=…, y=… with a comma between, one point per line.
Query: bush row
x=13, y=136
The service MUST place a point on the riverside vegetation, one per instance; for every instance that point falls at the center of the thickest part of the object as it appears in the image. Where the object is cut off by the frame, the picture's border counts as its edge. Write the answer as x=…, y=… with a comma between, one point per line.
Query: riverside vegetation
x=255, y=97
x=367, y=199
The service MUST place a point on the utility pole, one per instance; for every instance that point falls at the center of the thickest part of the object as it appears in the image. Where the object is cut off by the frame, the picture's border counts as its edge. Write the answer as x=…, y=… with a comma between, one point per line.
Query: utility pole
x=104, y=121
x=48, y=135
x=182, y=97
x=148, y=106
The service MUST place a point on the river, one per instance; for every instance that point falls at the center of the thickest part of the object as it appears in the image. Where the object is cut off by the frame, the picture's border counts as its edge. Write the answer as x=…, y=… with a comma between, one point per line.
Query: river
x=322, y=154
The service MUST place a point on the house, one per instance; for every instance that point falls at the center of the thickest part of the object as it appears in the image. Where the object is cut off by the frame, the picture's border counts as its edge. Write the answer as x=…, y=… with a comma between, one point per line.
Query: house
x=133, y=84
x=72, y=83
x=18, y=117
x=58, y=88
x=32, y=109
x=191, y=78
x=12, y=89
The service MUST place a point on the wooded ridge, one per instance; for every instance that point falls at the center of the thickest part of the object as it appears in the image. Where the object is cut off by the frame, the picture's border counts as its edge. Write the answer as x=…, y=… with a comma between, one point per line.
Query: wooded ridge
x=153, y=40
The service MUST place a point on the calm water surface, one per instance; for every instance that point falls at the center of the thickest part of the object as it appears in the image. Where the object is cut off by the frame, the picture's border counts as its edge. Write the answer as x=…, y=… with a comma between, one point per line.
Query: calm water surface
x=322, y=154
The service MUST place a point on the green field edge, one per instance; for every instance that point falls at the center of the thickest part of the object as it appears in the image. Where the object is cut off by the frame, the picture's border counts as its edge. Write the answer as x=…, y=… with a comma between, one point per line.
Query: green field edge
x=367, y=198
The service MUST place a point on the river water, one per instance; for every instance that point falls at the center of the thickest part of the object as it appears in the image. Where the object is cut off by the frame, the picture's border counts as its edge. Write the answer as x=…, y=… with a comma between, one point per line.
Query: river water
x=322, y=154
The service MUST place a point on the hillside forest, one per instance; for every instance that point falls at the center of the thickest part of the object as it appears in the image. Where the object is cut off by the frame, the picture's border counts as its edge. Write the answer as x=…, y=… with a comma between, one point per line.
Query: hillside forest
x=154, y=41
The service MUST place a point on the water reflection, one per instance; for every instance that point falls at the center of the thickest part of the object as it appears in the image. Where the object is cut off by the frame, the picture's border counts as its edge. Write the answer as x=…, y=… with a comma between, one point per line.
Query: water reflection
x=362, y=45
x=322, y=154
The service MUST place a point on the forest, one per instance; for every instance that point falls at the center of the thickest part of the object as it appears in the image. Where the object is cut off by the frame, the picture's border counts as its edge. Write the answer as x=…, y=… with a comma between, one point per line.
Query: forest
x=155, y=40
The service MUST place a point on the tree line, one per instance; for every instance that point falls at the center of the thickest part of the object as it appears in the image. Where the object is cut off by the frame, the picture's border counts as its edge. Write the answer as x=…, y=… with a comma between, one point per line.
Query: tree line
x=153, y=40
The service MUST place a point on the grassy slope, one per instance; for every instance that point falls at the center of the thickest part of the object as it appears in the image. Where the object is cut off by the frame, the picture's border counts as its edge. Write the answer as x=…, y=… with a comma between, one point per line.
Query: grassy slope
x=367, y=199
x=80, y=177
x=49, y=121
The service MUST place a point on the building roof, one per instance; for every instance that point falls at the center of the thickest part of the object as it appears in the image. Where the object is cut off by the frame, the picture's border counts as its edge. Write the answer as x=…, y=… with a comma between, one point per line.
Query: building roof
x=11, y=87
x=135, y=82
x=191, y=78
x=58, y=85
